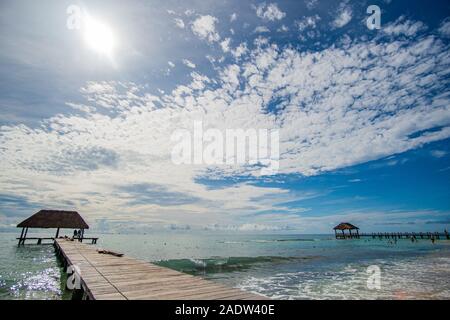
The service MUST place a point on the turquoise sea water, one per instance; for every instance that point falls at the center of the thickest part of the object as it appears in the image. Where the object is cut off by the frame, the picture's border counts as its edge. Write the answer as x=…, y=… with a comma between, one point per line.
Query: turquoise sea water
x=278, y=266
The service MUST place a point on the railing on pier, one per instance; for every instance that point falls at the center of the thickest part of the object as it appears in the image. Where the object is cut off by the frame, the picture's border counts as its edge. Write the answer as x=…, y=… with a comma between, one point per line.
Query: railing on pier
x=52, y=239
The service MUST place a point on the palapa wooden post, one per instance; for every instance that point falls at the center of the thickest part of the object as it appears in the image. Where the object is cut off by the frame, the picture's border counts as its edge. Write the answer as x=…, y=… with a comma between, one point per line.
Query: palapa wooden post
x=21, y=236
x=25, y=235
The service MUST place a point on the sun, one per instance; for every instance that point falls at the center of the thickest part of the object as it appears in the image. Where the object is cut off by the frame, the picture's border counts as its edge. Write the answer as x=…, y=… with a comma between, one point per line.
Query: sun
x=99, y=36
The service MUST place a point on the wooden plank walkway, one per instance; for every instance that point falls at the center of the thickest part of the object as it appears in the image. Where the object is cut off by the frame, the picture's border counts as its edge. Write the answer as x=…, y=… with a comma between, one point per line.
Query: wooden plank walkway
x=107, y=277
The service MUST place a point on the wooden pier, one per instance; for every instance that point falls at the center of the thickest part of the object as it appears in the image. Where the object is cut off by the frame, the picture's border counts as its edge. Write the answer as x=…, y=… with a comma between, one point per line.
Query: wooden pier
x=406, y=235
x=340, y=233
x=109, y=277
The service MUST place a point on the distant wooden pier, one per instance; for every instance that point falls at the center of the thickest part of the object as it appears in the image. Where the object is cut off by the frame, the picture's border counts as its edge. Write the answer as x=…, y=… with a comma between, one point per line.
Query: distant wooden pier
x=109, y=277
x=340, y=233
x=397, y=235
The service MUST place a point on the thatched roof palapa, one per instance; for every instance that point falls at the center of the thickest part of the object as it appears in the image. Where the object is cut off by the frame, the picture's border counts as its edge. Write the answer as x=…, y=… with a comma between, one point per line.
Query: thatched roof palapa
x=54, y=219
x=345, y=226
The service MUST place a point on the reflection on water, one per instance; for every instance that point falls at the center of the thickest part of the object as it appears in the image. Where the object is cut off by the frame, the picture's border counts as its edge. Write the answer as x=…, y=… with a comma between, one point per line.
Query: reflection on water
x=28, y=272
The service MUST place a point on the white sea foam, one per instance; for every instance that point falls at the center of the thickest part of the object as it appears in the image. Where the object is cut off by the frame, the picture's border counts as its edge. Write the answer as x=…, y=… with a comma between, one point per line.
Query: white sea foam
x=413, y=278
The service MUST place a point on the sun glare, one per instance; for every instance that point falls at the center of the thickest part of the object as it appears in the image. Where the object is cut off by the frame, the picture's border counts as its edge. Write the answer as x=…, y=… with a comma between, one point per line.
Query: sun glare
x=99, y=37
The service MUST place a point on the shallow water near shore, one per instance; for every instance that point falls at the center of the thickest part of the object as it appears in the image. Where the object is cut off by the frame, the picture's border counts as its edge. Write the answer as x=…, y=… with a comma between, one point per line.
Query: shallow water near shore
x=278, y=266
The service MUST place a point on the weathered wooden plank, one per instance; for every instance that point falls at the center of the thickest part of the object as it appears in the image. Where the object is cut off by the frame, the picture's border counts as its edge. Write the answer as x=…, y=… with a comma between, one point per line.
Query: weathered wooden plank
x=180, y=294
x=109, y=277
x=152, y=282
x=109, y=296
x=162, y=289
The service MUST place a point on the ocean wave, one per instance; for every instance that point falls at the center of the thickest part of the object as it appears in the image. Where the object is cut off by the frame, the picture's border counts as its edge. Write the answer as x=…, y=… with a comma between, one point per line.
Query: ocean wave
x=411, y=278
x=223, y=264
x=293, y=240
x=231, y=242
x=272, y=240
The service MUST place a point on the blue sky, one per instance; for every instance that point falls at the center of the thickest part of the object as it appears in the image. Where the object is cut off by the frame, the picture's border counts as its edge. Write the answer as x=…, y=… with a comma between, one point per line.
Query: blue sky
x=363, y=114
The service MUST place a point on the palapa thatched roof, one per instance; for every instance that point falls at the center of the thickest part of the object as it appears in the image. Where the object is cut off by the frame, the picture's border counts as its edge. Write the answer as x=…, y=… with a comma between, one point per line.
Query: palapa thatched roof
x=345, y=226
x=54, y=219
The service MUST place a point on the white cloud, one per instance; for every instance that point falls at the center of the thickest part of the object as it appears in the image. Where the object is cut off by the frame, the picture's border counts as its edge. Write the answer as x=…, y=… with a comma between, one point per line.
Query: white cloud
x=269, y=12
x=225, y=45
x=444, y=28
x=438, y=153
x=233, y=17
x=283, y=28
x=311, y=4
x=81, y=107
x=343, y=15
x=171, y=64
x=261, y=29
x=307, y=22
x=246, y=227
x=257, y=227
x=240, y=50
x=179, y=23
x=205, y=28
x=189, y=63
x=335, y=108
x=404, y=27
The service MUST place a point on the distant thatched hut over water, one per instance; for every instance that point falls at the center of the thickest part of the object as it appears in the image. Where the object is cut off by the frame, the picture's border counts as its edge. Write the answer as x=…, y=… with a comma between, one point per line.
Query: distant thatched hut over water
x=346, y=226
